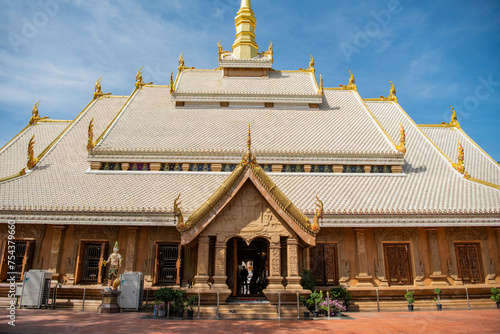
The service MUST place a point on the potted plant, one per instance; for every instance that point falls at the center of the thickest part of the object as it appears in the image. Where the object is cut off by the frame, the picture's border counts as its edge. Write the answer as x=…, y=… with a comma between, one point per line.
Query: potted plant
x=410, y=299
x=166, y=295
x=341, y=294
x=495, y=295
x=312, y=303
x=160, y=308
x=190, y=306
x=179, y=303
x=438, y=299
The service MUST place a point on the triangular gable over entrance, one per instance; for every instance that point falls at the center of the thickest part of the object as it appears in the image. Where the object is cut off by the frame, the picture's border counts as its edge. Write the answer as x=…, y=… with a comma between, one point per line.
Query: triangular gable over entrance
x=250, y=171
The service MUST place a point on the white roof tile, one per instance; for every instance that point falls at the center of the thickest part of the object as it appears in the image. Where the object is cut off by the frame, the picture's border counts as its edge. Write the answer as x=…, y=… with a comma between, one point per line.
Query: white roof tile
x=202, y=85
x=341, y=125
x=477, y=163
x=14, y=155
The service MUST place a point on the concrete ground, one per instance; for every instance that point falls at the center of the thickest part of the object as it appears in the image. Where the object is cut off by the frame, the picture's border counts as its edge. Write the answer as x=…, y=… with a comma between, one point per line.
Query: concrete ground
x=69, y=321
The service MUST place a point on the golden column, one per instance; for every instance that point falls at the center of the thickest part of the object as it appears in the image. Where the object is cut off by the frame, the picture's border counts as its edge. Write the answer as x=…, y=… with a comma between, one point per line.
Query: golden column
x=293, y=277
x=275, y=278
x=220, y=266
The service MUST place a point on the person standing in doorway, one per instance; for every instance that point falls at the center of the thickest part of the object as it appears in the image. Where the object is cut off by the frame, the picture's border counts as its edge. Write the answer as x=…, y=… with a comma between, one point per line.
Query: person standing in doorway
x=244, y=279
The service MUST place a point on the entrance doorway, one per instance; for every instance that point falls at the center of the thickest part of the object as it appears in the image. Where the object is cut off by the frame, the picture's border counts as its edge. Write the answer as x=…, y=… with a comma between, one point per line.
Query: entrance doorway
x=247, y=267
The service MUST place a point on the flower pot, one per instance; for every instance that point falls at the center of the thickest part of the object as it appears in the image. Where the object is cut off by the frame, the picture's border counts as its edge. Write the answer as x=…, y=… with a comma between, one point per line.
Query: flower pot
x=190, y=314
x=439, y=307
x=162, y=312
x=180, y=314
x=315, y=314
x=498, y=304
x=306, y=315
x=410, y=307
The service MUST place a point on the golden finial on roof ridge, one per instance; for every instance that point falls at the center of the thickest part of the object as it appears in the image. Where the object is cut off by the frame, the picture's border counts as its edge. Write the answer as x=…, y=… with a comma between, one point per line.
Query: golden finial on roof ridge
x=402, y=139
x=171, y=82
x=32, y=161
x=178, y=213
x=182, y=64
x=138, y=79
x=320, y=84
x=392, y=93
x=98, y=89
x=248, y=157
x=459, y=166
x=352, y=83
x=311, y=64
x=35, y=117
x=318, y=214
x=269, y=52
x=454, y=118
x=91, y=143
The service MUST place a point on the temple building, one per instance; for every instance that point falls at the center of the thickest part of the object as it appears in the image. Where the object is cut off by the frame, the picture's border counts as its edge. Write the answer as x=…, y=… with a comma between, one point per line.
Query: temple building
x=249, y=166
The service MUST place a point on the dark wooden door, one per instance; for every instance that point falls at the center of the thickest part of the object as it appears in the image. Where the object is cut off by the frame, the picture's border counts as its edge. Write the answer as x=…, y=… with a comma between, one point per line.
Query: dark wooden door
x=324, y=264
x=92, y=259
x=166, y=260
x=398, y=264
x=469, y=262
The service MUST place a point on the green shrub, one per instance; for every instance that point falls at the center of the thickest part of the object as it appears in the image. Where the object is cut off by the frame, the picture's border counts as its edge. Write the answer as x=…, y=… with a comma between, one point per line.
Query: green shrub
x=495, y=294
x=307, y=280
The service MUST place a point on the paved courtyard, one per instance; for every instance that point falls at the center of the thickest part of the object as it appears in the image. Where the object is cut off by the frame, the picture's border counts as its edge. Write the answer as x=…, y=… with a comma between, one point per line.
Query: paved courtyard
x=65, y=321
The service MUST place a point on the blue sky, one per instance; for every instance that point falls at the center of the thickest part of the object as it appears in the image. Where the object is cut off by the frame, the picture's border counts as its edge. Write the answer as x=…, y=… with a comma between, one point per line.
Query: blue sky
x=437, y=53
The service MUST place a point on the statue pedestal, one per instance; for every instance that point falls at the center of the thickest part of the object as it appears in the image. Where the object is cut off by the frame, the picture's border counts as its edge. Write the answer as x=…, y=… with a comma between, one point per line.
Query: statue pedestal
x=109, y=302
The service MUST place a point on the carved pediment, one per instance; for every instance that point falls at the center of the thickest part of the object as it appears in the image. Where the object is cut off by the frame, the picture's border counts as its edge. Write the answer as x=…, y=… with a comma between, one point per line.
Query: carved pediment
x=248, y=215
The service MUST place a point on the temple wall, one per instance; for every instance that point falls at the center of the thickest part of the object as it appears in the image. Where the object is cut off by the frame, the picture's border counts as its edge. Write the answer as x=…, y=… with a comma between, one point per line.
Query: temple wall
x=432, y=251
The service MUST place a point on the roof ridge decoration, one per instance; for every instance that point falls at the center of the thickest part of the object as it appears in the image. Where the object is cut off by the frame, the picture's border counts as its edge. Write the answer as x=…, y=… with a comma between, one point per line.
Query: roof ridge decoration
x=91, y=143
x=32, y=161
x=98, y=89
x=171, y=82
x=352, y=83
x=138, y=79
x=35, y=117
x=250, y=169
x=454, y=118
x=460, y=165
x=402, y=139
x=221, y=51
x=269, y=53
x=311, y=66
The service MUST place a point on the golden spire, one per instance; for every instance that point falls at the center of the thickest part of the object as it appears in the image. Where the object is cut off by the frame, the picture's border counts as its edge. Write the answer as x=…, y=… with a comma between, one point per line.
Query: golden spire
x=32, y=161
x=245, y=46
x=138, y=79
x=402, y=139
x=91, y=143
x=34, y=114
x=454, y=118
x=460, y=167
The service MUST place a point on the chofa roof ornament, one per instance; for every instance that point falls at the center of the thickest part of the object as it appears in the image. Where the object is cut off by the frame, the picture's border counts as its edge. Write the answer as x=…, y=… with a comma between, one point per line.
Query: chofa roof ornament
x=459, y=166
